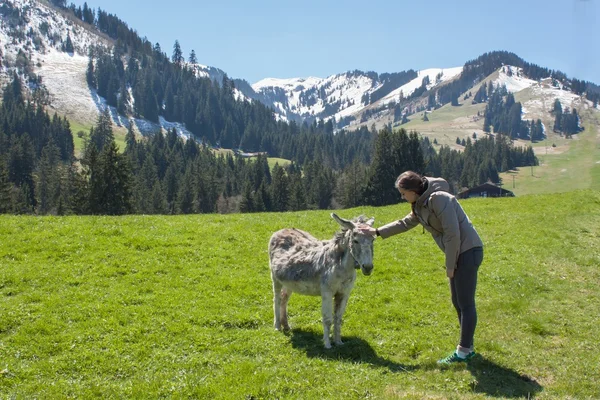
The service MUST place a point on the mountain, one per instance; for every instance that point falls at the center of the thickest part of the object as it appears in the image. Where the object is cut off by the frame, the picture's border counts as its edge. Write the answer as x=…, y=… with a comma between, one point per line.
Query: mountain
x=49, y=47
x=345, y=97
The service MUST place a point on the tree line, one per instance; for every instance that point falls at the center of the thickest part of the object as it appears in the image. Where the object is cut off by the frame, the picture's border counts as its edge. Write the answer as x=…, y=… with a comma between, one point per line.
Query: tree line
x=565, y=122
x=165, y=174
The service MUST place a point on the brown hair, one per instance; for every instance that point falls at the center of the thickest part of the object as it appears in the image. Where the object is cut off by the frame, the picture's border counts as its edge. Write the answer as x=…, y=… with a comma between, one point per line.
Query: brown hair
x=410, y=180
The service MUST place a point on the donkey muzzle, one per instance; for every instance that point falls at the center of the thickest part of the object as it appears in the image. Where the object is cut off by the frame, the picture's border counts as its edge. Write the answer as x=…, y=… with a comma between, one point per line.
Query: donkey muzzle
x=366, y=269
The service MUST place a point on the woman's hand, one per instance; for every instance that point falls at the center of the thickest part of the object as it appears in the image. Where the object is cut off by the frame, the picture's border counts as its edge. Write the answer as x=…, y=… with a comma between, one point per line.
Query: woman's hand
x=367, y=230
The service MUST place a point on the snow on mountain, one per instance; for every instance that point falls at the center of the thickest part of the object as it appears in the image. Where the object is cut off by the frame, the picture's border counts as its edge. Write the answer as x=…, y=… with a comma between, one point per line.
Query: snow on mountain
x=342, y=96
x=513, y=78
x=292, y=84
x=538, y=97
x=336, y=97
x=436, y=77
x=36, y=30
x=46, y=28
x=63, y=74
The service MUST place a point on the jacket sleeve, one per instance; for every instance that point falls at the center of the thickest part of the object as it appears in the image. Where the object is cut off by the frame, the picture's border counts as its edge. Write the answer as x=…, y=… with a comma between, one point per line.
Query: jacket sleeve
x=443, y=206
x=400, y=226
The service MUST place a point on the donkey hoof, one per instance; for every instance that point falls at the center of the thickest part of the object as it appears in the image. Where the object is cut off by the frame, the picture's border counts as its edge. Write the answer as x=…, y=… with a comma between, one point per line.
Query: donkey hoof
x=338, y=343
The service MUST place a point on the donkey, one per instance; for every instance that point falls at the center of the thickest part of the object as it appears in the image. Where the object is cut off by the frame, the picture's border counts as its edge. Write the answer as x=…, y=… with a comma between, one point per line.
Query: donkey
x=301, y=263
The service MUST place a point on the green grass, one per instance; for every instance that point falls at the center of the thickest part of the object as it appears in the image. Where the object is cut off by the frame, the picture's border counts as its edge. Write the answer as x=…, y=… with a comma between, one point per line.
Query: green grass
x=275, y=160
x=118, y=132
x=565, y=164
x=575, y=166
x=181, y=307
x=449, y=122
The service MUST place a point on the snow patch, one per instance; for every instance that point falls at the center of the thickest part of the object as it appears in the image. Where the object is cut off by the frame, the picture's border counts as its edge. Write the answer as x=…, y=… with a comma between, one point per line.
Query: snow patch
x=514, y=81
x=408, y=88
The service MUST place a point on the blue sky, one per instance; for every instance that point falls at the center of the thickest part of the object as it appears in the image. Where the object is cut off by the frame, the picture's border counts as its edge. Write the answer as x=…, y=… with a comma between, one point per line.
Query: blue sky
x=259, y=39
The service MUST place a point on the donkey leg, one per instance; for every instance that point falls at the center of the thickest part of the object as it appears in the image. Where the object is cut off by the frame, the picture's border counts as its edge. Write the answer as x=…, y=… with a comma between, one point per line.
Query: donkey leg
x=341, y=300
x=276, y=304
x=327, y=315
x=285, y=297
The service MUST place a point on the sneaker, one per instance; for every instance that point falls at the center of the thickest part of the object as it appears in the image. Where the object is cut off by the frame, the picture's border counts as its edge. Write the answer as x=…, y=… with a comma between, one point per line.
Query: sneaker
x=455, y=358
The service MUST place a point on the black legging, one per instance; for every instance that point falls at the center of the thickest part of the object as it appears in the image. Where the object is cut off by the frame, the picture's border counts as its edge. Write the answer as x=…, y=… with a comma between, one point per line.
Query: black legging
x=462, y=287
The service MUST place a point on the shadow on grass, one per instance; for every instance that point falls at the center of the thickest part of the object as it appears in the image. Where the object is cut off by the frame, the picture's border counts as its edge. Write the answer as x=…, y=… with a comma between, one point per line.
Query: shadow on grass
x=354, y=349
x=498, y=381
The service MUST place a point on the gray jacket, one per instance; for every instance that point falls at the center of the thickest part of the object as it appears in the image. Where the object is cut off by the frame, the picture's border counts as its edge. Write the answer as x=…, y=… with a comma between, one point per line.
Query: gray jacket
x=440, y=213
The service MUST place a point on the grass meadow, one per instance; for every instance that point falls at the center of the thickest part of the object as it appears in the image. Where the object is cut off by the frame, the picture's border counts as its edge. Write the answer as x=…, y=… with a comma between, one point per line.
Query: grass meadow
x=181, y=307
x=575, y=166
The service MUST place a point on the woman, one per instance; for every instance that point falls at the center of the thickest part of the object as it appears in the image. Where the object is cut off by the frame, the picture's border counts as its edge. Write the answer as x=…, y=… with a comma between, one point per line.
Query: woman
x=440, y=213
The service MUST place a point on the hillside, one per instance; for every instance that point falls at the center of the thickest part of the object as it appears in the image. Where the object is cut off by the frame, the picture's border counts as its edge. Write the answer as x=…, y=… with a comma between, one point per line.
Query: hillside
x=181, y=307
x=352, y=99
x=565, y=164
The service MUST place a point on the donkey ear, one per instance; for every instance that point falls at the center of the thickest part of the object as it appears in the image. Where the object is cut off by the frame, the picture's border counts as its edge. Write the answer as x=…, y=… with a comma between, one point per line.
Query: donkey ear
x=344, y=223
x=371, y=221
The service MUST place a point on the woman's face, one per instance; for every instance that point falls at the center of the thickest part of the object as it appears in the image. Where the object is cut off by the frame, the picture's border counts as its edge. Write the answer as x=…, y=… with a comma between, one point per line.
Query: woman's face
x=408, y=195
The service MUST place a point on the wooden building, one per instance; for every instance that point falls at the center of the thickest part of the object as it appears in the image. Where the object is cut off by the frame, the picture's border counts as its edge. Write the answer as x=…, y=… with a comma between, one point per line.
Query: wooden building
x=488, y=189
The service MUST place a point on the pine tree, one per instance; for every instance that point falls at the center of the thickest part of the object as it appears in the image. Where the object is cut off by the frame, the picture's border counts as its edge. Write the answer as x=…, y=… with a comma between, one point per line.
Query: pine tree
x=90, y=74
x=49, y=180
x=247, y=202
x=5, y=189
x=193, y=59
x=159, y=200
x=261, y=200
x=21, y=161
x=556, y=107
x=380, y=190
x=94, y=184
x=454, y=99
x=75, y=193
x=279, y=189
x=297, y=193
x=171, y=188
x=69, y=44
x=144, y=185
x=88, y=14
x=123, y=100
x=102, y=133
x=150, y=105
x=185, y=197
x=351, y=185
x=177, y=57
x=116, y=179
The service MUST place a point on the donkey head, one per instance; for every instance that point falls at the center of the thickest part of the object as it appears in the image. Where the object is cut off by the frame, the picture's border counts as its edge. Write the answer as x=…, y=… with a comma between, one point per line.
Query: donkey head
x=358, y=244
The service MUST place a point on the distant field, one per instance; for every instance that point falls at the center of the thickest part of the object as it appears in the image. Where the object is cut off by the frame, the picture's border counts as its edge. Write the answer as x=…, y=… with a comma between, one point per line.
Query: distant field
x=573, y=164
x=565, y=164
x=448, y=122
x=181, y=307
x=76, y=127
x=281, y=161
